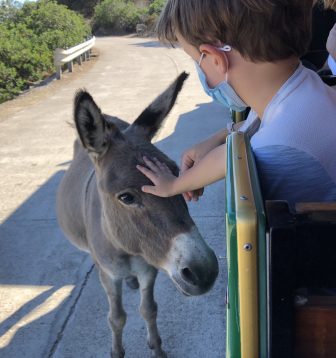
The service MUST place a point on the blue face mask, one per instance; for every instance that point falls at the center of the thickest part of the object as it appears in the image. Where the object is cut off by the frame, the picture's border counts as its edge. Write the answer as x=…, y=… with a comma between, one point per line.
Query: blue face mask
x=223, y=92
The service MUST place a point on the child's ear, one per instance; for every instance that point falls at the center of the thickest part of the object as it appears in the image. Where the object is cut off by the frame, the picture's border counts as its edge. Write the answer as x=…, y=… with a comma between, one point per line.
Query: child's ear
x=218, y=58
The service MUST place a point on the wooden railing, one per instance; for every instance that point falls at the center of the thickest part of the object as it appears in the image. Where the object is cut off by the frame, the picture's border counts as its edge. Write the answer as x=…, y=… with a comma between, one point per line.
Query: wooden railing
x=79, y=52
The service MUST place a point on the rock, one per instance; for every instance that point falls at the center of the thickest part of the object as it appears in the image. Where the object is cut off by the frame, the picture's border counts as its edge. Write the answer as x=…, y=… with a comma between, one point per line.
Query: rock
x=141, y=29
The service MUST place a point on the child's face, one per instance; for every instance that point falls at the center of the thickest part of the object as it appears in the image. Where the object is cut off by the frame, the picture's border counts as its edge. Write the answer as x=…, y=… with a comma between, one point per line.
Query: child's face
x=209, y=65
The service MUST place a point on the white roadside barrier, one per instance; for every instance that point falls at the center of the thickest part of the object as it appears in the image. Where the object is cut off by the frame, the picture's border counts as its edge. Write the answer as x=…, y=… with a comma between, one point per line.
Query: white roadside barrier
x=80, y=52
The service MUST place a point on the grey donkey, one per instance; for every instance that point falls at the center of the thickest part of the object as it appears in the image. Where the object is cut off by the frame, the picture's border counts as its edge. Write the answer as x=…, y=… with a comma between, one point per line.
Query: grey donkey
x=130, y=234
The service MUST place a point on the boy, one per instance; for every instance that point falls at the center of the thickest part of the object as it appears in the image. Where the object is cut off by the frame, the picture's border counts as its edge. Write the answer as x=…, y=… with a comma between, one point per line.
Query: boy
x=247, y=54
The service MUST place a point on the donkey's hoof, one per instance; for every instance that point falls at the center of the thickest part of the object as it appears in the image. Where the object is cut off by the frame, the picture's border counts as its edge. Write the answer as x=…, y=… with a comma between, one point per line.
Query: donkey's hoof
x=132, y=282
x=159, y=354
x=118, y=353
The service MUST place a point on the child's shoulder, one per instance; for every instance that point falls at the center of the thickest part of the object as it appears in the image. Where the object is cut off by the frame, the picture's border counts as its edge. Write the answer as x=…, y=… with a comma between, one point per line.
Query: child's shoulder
x=303, y=107
x=303, y=103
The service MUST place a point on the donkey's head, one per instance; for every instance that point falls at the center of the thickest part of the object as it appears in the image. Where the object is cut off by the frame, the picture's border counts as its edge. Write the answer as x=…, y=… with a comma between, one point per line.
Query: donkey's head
x=158, y=229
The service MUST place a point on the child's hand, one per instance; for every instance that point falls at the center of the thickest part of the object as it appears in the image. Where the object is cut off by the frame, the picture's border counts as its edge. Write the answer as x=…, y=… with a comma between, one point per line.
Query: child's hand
x=189, y=159
x=160, y=175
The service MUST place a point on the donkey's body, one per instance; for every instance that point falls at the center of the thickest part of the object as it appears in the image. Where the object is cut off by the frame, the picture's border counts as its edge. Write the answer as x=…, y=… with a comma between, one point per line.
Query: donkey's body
x=103, y=211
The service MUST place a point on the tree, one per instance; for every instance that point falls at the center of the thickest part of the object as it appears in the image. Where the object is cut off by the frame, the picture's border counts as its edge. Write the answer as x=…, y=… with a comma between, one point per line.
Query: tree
x=10, y=3
x=85, y=7
x=156, y=6
x=8, y=10
x=118, y=15
x=28, y=37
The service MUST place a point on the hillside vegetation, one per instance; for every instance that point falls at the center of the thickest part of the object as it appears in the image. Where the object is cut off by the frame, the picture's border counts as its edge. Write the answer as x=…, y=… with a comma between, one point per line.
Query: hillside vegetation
x=117, y=16
x=28, y=37
x=30, y=33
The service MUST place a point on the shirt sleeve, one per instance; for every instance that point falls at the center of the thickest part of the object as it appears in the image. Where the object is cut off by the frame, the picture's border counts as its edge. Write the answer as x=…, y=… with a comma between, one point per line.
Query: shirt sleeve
x=249, y=120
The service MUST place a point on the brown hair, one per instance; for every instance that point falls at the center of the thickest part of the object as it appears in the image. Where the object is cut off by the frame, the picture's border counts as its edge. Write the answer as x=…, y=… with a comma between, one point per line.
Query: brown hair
x=330, y=4
x=261, y=30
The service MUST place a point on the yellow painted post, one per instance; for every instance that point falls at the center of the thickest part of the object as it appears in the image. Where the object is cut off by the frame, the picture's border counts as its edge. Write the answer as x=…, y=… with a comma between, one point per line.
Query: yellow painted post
x=247, y=250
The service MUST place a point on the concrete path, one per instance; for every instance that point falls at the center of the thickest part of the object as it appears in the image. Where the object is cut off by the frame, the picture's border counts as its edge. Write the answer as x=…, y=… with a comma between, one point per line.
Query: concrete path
x=51, y=301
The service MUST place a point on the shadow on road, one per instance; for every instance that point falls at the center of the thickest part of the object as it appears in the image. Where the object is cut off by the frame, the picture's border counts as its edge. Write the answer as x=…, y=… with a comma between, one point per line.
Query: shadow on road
x=149, y=44
x=38, y=272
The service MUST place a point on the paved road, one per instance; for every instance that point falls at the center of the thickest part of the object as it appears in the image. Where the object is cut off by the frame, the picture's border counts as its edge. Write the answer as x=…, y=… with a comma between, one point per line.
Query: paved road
x=51, y=302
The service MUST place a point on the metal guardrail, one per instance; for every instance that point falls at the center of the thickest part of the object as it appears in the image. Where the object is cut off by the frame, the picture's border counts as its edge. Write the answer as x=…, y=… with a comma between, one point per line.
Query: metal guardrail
x=79, y=52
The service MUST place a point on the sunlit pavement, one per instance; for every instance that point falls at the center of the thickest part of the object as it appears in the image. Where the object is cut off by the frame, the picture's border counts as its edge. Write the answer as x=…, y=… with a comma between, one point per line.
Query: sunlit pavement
x=51, y=301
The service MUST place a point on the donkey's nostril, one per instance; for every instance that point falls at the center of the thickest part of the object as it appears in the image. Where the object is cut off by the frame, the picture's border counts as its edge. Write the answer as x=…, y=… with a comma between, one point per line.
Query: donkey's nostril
x=189, y=276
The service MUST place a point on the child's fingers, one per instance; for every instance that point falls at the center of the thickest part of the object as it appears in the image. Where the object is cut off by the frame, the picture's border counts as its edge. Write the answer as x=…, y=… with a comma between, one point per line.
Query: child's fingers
x=200, y=192
x=187, y=196
x=150, y=165
x=149, y=189
x=186, y=163
x=196, y=194
x=162, y=166
x=148, y=173
x=154, y=190
x=166, y=168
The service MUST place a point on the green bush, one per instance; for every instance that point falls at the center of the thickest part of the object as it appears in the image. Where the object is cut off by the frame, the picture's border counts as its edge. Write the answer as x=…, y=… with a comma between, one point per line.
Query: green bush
x=55, y=24
x=10, y=83
x=8, y=10
x=23, y=51
x=156, y=6
x=118, y=15
x=85, y=7
x=28, y=38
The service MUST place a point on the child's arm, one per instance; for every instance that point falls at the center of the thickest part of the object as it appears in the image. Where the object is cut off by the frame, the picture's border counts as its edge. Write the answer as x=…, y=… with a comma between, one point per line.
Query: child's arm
x=208, y=170
x=193, y=155
x=197, y=152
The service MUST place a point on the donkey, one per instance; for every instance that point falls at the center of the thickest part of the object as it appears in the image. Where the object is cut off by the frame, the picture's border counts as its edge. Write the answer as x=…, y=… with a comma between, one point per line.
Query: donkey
x=130, y=234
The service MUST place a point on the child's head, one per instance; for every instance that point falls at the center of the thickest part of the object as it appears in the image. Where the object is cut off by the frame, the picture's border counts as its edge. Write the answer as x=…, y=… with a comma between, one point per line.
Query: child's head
x=260, y=30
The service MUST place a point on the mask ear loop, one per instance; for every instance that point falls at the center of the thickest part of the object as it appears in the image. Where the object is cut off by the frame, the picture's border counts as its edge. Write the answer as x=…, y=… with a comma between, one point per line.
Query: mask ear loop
x=226, y=48
x=201, y=59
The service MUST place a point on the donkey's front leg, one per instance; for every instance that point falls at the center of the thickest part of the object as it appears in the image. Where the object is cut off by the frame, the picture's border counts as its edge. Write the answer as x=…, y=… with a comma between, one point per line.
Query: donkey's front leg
x=148, y=310
x=117, y=315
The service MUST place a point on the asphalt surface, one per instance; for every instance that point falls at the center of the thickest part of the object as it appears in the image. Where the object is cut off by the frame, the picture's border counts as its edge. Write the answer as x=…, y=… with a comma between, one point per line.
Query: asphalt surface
x=51, y=301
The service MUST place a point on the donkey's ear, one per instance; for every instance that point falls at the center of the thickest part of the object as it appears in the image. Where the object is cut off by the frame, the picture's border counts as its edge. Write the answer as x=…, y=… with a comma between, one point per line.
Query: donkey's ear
x=152, y=117
x=92, y=128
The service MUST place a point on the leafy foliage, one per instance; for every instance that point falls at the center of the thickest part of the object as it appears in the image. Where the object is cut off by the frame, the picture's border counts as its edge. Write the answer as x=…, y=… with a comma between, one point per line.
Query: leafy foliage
x=118, y=15
x=8, y=9
x=56, y=25
x=85, y=7
x=28, y=38
x=22, y=50
x=124, y=15
x=156, y=6
x=10, y=82
x=29, y=33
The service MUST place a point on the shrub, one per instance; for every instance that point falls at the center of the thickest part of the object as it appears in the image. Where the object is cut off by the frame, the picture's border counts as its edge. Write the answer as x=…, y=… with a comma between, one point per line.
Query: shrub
x=28, y=38
x=56, y=25
x=8, y=10
x=85, y=7
x=10, y=83
x=118, y=15
x=23, y=51
x=156, y=6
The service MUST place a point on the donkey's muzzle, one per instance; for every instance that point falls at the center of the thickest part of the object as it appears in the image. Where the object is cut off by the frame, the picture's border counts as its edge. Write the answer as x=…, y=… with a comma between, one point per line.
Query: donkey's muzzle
x=192, y=265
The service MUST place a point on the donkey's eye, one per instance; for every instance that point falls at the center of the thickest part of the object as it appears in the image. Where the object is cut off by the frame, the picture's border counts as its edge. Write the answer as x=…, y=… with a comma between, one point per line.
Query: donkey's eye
x=126, y=198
